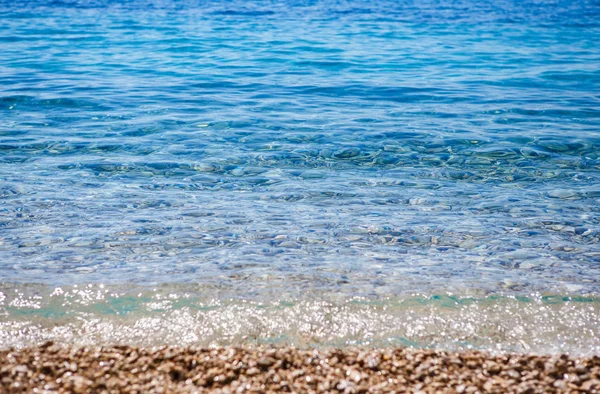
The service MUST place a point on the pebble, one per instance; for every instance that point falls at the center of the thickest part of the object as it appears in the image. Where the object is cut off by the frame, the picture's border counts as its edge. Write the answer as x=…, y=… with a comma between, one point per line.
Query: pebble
x=564, y=194
x=127, y=369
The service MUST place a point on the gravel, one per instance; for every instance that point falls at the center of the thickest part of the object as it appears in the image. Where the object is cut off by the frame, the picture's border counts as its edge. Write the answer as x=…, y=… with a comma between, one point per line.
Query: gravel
x=126, y=369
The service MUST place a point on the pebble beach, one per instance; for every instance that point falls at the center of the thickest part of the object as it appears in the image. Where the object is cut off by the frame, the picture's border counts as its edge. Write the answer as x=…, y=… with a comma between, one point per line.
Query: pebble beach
x=52, y=368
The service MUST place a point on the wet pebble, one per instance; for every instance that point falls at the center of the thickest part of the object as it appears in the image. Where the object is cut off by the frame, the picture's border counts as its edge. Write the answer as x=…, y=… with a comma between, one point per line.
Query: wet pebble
x=564, y=194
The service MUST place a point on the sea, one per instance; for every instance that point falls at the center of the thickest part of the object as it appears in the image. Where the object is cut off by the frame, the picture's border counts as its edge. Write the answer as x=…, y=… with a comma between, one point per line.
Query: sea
x=315, y=173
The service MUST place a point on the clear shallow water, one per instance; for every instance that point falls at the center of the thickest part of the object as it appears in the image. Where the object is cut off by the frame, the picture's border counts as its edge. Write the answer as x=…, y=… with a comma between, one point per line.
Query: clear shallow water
x=98, y=314
x=291, y=151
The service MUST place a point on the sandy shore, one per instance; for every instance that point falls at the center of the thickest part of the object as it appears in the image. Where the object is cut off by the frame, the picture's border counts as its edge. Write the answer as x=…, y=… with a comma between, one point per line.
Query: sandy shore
x=54, y=368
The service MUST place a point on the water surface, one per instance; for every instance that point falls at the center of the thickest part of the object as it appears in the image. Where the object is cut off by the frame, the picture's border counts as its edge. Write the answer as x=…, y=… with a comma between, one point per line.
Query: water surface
x=290, y=151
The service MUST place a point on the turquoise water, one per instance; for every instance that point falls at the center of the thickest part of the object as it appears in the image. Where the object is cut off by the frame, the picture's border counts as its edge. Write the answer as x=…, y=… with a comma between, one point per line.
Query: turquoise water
x=297, y=151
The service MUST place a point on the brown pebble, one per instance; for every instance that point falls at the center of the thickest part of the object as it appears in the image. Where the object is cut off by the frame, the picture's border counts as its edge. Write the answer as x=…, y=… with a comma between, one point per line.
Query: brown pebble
x=588, y=385
x=266, y=361
x=57, y=368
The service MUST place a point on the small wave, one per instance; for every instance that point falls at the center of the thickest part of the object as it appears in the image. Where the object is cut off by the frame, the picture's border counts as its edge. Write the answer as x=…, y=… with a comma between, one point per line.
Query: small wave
x=99, y=315
x=245, y=13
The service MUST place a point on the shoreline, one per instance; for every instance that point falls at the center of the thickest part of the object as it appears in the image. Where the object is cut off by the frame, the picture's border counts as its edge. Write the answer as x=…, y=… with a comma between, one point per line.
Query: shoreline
x=99, y=315
x=60, y=368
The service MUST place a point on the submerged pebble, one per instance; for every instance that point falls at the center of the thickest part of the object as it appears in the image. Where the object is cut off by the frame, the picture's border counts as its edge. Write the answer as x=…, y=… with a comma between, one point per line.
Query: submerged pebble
x=267, y=150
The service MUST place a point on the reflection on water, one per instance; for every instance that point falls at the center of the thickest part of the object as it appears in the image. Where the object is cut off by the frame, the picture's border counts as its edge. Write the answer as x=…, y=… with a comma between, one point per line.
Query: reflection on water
x=187, y=316
x=264, y=151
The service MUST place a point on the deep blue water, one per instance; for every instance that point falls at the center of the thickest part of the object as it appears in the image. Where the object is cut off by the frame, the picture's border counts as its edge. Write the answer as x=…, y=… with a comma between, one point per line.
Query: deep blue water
x=292, y=149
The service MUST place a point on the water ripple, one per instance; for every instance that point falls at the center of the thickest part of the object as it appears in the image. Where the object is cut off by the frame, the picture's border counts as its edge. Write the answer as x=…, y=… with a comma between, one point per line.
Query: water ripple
x=354, y=148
